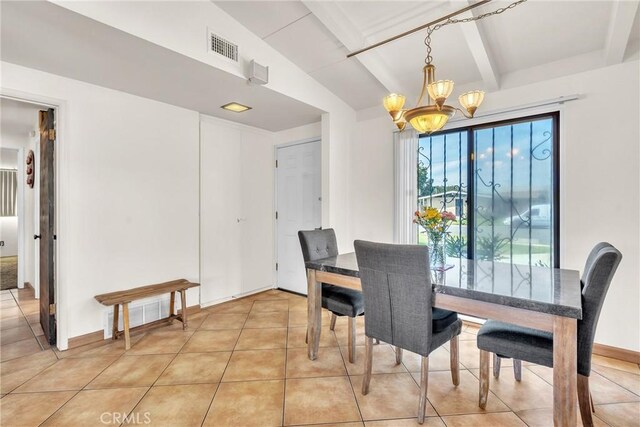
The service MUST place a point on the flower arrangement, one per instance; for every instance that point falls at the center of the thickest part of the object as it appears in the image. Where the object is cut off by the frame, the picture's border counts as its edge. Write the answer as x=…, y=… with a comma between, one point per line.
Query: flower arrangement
x=433, y=220
x=436, y=223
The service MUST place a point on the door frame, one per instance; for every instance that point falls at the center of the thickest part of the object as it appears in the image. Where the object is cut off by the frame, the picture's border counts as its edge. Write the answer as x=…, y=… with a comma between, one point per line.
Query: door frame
x=61, y=202
x=275, y=193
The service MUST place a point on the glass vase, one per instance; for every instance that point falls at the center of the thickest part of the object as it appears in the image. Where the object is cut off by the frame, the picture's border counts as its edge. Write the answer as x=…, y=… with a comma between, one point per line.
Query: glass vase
x=437, y=256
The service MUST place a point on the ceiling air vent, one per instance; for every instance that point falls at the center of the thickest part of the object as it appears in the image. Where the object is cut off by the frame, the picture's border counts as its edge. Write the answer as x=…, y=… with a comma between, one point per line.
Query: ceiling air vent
x=223, y=47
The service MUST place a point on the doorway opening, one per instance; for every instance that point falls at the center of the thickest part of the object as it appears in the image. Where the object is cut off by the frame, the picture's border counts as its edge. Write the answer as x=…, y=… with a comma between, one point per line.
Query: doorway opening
x=27, y=186
x=298, y=207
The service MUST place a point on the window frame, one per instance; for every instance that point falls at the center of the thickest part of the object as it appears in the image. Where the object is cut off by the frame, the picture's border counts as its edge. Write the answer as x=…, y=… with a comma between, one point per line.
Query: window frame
x=471, y=203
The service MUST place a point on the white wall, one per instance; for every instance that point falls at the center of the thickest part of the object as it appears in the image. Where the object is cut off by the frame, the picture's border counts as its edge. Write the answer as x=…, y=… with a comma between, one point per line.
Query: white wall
x=236, y=210
x=599, y=155
x=15, y=124
x=128, y=192
x=8, y=224
x=188, y=22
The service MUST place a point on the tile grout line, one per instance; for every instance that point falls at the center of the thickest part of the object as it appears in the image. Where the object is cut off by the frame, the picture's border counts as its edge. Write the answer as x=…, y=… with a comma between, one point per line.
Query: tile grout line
x=225, y=367
x=82, y=389
x=163, y=371
x=286, y=358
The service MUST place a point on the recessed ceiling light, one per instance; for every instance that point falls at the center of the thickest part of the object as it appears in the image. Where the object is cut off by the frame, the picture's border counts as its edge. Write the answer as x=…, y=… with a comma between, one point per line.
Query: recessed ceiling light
x=235, y=107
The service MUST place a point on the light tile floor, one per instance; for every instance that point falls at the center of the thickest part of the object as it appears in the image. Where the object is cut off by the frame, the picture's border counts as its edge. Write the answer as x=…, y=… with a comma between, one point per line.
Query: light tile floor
x=244, y=363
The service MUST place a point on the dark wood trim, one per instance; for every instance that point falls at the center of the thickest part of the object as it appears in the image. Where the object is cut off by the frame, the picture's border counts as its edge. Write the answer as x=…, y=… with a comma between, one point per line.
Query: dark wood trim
x=97, y=336
x=617, y=353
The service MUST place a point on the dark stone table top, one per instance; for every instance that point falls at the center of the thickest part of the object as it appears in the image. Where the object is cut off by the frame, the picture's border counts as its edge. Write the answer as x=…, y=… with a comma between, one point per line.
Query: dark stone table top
x=547, y=290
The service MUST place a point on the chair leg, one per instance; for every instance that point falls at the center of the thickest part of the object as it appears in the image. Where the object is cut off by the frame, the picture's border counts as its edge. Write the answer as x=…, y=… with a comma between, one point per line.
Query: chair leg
x=398, y=355
x=584, y=401
x=484, y=378
x=496, y=366
x=454, y=360
x=332, y=325
x=377, y=341
x=368, y=364
x=424, y=382
x=517, y=369
x=352, y=340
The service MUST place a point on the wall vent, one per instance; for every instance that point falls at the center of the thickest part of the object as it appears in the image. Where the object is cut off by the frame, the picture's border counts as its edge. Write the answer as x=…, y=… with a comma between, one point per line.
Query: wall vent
x=223, y=47
x=139, y=314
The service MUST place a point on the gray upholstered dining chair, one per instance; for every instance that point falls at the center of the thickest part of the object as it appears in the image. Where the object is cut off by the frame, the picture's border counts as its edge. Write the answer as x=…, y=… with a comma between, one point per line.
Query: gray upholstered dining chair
x=511, y=341
x=319, y=244
x=398, y=300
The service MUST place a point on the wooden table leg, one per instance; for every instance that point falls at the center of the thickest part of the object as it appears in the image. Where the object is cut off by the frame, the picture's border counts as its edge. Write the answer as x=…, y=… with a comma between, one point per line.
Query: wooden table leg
x=116, y=315
x=172, y=306
x=314, y=314
x=183, y=297
x=125, y=321
x=565, y=342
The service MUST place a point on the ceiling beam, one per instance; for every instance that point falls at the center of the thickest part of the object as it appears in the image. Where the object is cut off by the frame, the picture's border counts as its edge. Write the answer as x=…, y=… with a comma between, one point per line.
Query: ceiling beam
x=479, y=50
x=332, y=17
x=620, y=26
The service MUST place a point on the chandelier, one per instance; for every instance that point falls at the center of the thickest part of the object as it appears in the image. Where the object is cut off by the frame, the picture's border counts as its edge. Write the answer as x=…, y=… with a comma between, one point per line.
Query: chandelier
x=435, y=113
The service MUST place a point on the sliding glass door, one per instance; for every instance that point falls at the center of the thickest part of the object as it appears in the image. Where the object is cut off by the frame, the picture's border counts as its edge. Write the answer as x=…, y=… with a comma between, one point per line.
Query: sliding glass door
x=501, y=182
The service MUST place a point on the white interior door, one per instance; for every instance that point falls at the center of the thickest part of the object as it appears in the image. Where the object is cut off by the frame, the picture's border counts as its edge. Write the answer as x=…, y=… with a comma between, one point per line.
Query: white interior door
x=299, y=207
x=220, y=210
x=256, y=219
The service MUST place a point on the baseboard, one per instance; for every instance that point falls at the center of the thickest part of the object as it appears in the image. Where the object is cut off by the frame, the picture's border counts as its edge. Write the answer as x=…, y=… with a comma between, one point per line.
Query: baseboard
x=98, y=336
x=292, y=292
x=85, y=339
x=29, y=285
x=617, y=353
x=599, y=349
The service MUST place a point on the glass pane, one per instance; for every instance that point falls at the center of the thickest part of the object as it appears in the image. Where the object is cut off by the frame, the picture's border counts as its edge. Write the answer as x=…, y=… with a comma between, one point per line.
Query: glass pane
x=513, y=193
x=442, y=184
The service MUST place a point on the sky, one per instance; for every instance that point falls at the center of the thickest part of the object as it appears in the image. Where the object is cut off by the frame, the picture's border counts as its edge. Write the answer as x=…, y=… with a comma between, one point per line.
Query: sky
x=501, y=155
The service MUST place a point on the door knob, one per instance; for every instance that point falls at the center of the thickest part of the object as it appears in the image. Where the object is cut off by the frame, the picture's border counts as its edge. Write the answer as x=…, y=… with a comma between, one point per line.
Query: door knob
x=36, y=236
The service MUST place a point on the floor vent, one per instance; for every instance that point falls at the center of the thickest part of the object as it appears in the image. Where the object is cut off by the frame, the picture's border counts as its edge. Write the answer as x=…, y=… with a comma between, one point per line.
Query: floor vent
x=223, y=47
x=139, y=314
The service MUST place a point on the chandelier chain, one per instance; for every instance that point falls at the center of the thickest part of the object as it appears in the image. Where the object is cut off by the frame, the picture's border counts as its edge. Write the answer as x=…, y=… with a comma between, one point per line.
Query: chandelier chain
x=427, y=40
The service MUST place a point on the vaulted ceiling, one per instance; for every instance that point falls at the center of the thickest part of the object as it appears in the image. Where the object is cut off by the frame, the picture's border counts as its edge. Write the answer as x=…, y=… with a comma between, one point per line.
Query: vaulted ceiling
x=563, y=36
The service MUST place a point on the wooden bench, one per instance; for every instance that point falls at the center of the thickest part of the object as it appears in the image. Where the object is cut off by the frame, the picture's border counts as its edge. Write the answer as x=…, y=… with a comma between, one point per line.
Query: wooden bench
x=116, y=299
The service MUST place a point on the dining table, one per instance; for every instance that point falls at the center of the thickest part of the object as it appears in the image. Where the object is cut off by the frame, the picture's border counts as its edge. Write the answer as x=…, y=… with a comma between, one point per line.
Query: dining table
x=539, y=297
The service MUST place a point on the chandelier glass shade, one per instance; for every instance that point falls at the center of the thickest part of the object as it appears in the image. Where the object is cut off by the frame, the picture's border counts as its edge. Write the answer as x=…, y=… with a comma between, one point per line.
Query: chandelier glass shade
x=435, y=114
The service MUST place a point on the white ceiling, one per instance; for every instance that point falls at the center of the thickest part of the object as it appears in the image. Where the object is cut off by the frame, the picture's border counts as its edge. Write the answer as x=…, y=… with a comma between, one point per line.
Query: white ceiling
x=86, y=50
x=318, y=35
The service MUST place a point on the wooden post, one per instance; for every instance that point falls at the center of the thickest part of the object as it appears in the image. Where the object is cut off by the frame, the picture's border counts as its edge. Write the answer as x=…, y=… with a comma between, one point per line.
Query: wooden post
x=368, y=364
x=332, y=325
x=352, y=340
x=125, y=320
x=484, y=378
x=183, y=297
x=454, y=360
x=314, y=314
x=565, y=359
x=424, y=383
x=116, y=315
x=172, y=305
x=517, y=369
x=398, y=355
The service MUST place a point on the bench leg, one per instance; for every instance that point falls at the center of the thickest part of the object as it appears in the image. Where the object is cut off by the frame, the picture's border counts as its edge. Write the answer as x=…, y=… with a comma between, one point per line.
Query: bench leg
x=172, y=306
x=183, y=297
x=125, y=318
x=116, y=314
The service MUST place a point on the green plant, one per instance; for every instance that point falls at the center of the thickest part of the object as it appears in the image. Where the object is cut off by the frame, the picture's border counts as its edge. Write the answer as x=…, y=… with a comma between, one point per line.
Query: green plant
x=491, y=248
x=456, y=246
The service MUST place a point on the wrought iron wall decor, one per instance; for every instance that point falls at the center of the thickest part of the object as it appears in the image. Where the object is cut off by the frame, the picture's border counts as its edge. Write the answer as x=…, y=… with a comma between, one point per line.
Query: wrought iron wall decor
x=30, y=168
x=481, y=197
